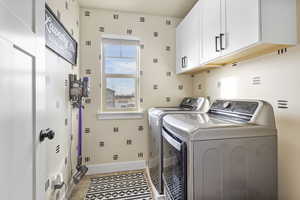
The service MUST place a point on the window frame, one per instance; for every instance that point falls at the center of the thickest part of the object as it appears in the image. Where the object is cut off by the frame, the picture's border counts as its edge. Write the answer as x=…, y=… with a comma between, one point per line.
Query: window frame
x=104, y=76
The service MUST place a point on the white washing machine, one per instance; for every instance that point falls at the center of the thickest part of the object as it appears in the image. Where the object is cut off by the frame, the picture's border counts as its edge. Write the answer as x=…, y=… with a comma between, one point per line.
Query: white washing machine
x=155, y=116
x=229, y=153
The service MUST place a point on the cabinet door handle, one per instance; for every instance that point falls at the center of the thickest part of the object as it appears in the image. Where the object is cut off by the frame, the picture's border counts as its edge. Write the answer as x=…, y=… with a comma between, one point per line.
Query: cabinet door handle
x=221, y=41
x=216, y=40
x=182, y=62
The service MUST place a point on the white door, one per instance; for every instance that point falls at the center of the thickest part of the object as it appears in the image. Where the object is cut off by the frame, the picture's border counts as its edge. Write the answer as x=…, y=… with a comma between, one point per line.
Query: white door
x=241, y=27
x=211, y=22
x=22, y=89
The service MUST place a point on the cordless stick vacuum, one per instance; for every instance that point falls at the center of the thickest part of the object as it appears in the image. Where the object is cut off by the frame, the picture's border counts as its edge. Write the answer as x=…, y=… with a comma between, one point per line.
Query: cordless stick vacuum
x=81, y=169
x=78, y=90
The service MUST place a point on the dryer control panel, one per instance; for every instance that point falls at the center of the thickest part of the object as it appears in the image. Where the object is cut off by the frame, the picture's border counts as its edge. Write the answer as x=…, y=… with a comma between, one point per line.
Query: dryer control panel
x=234, y=108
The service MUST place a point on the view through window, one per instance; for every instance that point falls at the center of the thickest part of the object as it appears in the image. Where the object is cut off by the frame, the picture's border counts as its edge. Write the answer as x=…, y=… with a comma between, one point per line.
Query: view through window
x=120, y=75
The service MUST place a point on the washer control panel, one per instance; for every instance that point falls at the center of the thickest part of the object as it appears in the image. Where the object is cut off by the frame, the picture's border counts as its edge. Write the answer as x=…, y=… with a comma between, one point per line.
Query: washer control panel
x=192, y=103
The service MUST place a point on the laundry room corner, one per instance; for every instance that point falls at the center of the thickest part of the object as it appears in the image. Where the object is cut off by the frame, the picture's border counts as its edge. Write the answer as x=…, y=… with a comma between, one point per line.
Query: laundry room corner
x=112, y=143
x=273, y=78
x=150, y=99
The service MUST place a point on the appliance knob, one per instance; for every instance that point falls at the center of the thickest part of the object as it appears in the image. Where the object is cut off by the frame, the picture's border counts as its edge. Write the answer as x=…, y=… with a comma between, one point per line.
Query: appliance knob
x=188, y=100
x=227, y=104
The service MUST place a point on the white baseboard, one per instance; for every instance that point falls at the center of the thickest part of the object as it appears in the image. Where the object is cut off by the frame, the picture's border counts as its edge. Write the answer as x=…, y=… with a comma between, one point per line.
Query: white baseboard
x=116, y=167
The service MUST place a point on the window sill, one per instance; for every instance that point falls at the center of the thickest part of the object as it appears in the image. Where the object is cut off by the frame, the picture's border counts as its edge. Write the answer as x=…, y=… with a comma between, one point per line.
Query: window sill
x=120, y=115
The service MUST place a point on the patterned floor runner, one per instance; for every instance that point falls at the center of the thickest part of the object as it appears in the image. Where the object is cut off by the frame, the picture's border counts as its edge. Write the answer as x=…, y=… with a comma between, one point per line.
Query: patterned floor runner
x=123, y=186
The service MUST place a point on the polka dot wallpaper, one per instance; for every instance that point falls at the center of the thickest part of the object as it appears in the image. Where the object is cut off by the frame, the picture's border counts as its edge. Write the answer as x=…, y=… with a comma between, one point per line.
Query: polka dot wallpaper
x=107, y=141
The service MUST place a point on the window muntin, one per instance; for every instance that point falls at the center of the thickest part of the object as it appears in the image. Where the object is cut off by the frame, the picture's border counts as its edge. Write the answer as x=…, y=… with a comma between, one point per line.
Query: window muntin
x=120, y=75
x=120, y=65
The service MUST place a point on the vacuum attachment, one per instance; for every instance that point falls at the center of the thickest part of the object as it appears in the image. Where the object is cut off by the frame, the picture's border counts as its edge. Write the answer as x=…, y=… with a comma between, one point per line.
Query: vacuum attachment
x=82, y=170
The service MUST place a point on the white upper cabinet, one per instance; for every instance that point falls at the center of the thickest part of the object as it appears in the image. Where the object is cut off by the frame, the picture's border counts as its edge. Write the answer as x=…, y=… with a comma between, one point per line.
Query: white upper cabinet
x=188, y=41
x=211, y=28
x=235, y=30
x=180, y=38
x=242, y=31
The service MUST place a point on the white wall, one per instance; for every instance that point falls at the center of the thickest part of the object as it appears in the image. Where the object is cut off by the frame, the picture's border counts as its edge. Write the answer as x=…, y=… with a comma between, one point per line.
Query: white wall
x=279, y=80
x=59, y=108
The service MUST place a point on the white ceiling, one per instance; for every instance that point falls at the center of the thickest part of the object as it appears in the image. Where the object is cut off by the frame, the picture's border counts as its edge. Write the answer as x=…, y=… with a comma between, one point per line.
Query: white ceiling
x=174, y=8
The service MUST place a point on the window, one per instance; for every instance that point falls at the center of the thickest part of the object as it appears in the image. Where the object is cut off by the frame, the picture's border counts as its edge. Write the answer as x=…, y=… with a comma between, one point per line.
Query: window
x=120, y=75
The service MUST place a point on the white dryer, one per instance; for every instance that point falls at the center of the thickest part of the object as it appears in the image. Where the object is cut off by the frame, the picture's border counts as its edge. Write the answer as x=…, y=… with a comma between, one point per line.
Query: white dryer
x=229, y=153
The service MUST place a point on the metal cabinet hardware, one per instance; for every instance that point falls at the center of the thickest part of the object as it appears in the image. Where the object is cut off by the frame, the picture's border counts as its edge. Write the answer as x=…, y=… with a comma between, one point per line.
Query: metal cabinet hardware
x=221, y=41
x=184, y=61
x=217, y=46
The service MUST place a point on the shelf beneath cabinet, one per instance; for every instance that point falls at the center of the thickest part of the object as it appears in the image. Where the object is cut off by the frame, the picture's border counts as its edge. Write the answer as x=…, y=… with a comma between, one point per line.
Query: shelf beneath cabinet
x=249, y=53
x=200, y=69
x=242, y=55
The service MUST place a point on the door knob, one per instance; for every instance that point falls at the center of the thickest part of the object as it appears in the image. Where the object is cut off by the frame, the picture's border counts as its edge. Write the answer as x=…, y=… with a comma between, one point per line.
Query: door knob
x=46, y=133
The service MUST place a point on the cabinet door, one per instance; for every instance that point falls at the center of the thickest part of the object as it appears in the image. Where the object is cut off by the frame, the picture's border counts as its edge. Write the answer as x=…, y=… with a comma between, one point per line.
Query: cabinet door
x=241, y=27
x=188, y=41
x=192, y=38
x=179, y=47
x=211, y=21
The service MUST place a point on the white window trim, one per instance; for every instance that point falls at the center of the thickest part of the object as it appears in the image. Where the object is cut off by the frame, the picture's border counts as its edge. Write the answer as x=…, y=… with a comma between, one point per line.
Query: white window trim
x=120, y=115
x=104, y=113
x=119, y=37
